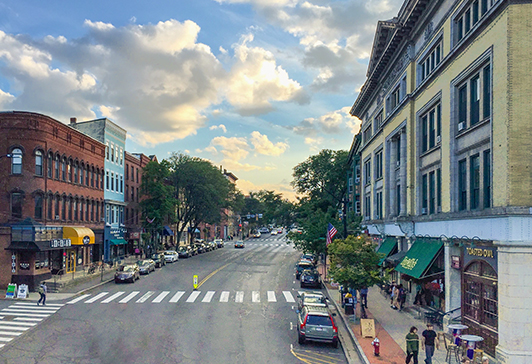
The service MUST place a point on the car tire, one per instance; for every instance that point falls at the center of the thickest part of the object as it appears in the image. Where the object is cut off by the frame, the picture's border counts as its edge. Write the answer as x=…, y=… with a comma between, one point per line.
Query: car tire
x=335, y=344
x=301, y=339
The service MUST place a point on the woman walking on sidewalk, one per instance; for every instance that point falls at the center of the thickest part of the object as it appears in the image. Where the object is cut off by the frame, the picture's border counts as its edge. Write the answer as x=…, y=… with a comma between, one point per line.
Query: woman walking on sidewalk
x=412, y=345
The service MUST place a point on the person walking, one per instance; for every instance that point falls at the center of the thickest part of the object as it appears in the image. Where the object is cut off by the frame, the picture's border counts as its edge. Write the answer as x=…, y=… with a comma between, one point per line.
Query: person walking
x=395, y=296
x=42, y=292
x=401, y=296
x=364, y=297
x=429, y=343
x=412, y=345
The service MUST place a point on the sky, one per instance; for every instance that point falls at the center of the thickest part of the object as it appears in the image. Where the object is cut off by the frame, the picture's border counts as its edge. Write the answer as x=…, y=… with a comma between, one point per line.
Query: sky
x=255, y=86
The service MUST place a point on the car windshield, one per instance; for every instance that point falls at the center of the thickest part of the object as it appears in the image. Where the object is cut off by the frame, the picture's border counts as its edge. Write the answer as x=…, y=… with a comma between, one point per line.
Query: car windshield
x=126, y=268
x=313, y=299
x=182, y=249
x=305, y=265
x=318, y=320
x=143, y=262
x=155, y=256
x=168, y=253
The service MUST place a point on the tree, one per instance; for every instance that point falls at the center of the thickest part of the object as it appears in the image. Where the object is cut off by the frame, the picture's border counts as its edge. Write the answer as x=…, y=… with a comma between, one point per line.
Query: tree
x=354, y=262
x=312, y=231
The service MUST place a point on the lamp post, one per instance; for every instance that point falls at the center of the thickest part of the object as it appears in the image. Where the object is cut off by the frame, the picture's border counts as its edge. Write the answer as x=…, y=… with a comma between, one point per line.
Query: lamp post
x=6, y=155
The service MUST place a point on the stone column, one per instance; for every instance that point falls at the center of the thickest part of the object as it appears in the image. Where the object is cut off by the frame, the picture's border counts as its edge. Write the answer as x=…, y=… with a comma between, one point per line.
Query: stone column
x=515, y=302
x=392, y=178
x=402, y=172
x=453, y=293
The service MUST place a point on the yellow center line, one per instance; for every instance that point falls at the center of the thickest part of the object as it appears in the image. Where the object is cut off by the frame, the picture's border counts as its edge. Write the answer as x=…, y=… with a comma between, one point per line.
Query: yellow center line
x=210, y=275
x=314, y=359
x=303, y=360
x=318, y=354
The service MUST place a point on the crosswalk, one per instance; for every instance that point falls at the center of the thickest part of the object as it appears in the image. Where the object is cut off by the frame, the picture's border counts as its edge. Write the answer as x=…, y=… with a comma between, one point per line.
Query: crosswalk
x=21, y=317
x=154, y=297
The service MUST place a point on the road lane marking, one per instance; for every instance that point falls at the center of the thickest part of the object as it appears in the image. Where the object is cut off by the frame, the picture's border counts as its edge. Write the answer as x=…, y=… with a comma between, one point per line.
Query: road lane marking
x=10, y=333
x=17, y=323
x=5, y=339
x=239, y=297
x=97, y=297
x=208, y=296
x=288, y=296
x=76, y=300
x=59, y=305
x=210, y=275
x=14, y=328
x=271, y=296
x=193, y=296
x=255, y=296
x=35, y=308
x=23, y=314
x=224, y=297
x=25, y=311
x=111, y=298
x=177, y=296
x=145, y=297
x=161, y=297
x=291, y=325
x=27, y=319
x=129, y=297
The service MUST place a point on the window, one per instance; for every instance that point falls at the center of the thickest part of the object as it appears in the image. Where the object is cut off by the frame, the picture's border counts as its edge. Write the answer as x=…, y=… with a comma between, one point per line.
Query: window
x=487, y=92
x=87, y=176
x=38, y=163
x=398, y=200
x=132, y=174
x=107, y=151
x=137, y=195
x=50, y=165
x=467, y=21
x=424, y=197
x=76, y=169
x=431, y=128
x=471, y=16
x=63, y=208
x=76, y=210
x=92, y=177
x=81, y=206
x=132, y=194
x=57, y=202
x=92, y=210
x=432, y=192
x=366, y=136
x=63, y=169
x=378, y=207
x=70, y=169
x=474, y=10
x=81, y=176
x=16, y=161
x=121, y=157
x=395, y=98
x=49, y=206
x=474, y=182
x=367, y=206
x=127, y=171
x=137, y=175
x=121, y=184
x=438, y=189
x=462, y=185
x=112, y=181
x=56, y=167
x=377, y=122
x=378, y=165
x=431, y=61
x=38, y=206
x=487, y=178
x=16, y=205
x=112, y=154
x=107, y=184
x=126, y=196
x=474, y=106
x=101, y=180
x=367, y=172
x=462, y=107
x=478, y=107
x=107, y=214
x=70, y=204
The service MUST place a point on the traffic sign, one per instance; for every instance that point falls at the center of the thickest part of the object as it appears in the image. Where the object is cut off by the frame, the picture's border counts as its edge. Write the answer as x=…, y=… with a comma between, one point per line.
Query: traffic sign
x=195, y=282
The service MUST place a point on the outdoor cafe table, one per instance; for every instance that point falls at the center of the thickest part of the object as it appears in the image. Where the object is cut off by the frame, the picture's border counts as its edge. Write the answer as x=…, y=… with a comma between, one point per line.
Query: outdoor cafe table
x=457, y=331
x=472, y=341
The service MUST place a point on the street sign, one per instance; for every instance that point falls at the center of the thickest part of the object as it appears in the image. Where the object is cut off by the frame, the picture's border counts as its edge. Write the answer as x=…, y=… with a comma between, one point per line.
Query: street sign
x=195, y=282
x=11, y=289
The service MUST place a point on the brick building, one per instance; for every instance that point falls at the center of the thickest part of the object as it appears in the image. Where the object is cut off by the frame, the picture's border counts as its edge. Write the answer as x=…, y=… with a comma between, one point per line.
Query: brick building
x=51, y=198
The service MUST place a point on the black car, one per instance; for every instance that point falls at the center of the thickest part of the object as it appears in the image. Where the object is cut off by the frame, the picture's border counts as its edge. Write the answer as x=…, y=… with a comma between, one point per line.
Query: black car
x=184, y=251
x=159, y=259
x=301, y=266
x=193, y=249
x=310, y=278
x=146, y=266
x=127, y=273
x=200, y=248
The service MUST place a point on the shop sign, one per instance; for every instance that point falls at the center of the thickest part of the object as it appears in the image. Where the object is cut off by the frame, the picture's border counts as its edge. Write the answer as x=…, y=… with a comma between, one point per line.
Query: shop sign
x=409, y=263
x=134, y=235
x=11, y=289
x=22, y=291
x=86, y=240
x=455, y=261
x=13, y=263
x=61, y=243
x=478, y=252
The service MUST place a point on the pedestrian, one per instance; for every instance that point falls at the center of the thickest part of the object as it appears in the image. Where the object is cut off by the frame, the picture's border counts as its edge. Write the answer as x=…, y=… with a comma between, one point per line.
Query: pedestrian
x=417, y=299
x=42, y=292
x=137, y=252
x=395, y=297
x=485, y=360
x=429, y=342
x=364, y=297
x=392, y=288
x=412, y=345
x=401, y=296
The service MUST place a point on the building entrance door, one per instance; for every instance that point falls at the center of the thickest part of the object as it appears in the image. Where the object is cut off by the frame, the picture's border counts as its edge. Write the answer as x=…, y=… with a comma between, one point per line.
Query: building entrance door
x=71, y=261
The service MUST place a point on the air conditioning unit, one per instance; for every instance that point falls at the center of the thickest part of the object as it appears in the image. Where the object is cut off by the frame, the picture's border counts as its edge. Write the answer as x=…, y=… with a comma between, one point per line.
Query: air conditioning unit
x=461, y=126
x=438, y=139
x=424, y=211
x=57, y=217
x=357, y=180
x=398, y=163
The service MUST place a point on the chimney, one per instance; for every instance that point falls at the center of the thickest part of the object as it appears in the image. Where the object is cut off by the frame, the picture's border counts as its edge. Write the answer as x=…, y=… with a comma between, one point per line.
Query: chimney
x=73, y=121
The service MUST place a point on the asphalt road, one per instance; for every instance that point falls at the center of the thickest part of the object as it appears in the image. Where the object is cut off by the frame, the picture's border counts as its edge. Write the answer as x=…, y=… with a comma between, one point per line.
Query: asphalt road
x=242, y=312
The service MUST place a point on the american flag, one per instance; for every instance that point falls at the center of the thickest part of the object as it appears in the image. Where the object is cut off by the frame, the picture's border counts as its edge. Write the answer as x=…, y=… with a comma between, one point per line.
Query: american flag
x=331, y=232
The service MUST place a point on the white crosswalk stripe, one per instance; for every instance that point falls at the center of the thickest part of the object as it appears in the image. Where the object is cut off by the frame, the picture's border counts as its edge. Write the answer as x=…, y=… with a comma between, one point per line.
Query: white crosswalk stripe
x=208, y=296
x=255, y=296
x=193, y=296
x=111, y=298
x=80, y=298
x=271, y=296
x=161, y=297
x=13, y=333
x=129, y=297
x=224, y=297
x=14, y=328
x=27, y=319
x=145, y=297
x=288, y=296
x=239, y=296
x=97, y=297
x=177, y=296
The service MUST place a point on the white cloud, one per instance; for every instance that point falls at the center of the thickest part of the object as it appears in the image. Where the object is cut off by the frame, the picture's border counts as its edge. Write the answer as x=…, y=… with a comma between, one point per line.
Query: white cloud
x=285, y=189
x=221, y=127
x=233, y=148
x=5, y=99
x=264, y=146
x=334, y=122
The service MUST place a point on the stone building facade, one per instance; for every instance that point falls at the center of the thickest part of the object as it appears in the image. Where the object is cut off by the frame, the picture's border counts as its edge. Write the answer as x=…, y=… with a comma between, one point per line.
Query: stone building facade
x=446, y=161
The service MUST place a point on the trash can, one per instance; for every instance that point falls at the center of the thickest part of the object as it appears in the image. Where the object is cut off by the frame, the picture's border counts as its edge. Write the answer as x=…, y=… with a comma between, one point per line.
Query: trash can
x=349, y=305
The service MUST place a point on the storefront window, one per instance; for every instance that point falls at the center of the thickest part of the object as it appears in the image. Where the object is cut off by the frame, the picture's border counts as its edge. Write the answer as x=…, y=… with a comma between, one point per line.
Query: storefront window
x=42, y=260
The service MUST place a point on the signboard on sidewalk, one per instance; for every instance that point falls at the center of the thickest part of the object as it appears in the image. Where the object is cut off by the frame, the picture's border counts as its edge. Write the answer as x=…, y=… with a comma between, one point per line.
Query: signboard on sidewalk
x=22, y=291
x=367, y=327
x=11, y=289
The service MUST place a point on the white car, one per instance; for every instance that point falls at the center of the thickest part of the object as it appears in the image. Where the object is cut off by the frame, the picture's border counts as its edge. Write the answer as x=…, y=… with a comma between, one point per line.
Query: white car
x=171, y=256
x=273, y=232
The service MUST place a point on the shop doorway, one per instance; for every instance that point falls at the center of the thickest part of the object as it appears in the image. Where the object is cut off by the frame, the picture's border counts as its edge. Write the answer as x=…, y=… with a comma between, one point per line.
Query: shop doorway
x=71, y=261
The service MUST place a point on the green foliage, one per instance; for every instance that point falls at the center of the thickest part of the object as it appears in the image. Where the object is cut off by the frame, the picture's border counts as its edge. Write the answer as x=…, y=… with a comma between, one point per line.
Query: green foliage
x=354, y=262
x=313, y=231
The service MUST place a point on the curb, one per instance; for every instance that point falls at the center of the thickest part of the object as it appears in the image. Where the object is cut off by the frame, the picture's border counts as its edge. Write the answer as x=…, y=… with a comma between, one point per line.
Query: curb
x=93, y=287
x=358, y=348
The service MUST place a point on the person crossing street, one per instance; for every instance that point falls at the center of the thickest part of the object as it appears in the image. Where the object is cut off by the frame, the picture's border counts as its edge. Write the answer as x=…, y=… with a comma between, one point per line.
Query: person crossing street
x=42, y=292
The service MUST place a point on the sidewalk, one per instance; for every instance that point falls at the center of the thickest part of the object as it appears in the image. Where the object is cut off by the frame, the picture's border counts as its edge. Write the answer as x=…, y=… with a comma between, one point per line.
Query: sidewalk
x=391, y=327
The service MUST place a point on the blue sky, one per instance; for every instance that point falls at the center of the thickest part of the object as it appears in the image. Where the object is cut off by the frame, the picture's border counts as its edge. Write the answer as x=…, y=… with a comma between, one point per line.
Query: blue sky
x=255, y=86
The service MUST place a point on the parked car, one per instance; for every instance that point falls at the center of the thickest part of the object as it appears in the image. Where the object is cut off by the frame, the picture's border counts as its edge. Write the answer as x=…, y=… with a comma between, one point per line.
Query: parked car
x=184, y=251
x=206, y=247
x=310, y=277
x=127, y=273
x=146, y=266
x=193, y=249
x=239, y=244
x=311, y=298
x=159, y=259
x=213, y=245
x=301, y=266
x=316, y=323
x=219, y=243
x=311, y=257
x=200, y=248
x=171, y=256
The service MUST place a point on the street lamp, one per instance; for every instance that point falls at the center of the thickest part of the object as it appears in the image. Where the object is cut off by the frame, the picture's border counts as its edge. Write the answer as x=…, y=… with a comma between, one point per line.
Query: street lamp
x=6, y=155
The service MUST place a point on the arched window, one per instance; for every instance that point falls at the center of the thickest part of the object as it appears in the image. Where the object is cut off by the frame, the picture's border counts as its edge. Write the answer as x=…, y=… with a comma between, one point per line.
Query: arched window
x=16, y=161
x=81, y=205
x=38, y=163
x=49, y=206
x=50, y=165
x=87, y=208
x=63, y=169
x=76, y=209
x=56, y=167
x=38, y=206
x=17, y=199
x=81, y=172
x=76, y=167
x=87, y=176
x=70, y=203
x=92, y=177
x=64, y=208
x=57, y=202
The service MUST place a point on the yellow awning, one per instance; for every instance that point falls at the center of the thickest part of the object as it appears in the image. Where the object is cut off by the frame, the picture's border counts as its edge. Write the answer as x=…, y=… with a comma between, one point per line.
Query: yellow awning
x=78, y=235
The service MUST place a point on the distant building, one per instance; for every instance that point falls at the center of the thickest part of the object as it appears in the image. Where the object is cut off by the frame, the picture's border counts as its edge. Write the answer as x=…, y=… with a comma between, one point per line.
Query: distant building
x=114, y=138
x=51, y=198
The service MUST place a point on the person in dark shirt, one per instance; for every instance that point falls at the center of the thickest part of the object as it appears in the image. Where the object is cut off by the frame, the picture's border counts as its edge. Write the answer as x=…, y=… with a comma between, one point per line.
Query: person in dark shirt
x=429, y=343
x=412, y=345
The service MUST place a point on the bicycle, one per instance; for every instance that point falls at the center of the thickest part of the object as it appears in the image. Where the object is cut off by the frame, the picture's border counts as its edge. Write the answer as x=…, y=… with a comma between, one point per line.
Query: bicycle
x=92, y=269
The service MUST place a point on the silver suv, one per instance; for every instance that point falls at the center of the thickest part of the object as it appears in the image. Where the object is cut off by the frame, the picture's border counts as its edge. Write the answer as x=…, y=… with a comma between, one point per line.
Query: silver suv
x=316, y=323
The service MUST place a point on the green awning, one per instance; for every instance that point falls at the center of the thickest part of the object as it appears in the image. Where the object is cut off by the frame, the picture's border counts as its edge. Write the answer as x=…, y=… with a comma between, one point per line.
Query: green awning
x=118, y=242
x=419, y=258
x=387, y=247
